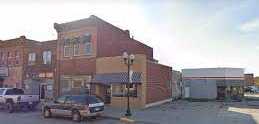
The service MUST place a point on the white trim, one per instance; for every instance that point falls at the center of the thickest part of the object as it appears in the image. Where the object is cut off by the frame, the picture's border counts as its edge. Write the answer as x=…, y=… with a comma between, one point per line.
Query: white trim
x=158, y=103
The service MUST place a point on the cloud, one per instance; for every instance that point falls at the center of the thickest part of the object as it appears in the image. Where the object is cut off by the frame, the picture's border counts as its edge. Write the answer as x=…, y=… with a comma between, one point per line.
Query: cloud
x=250, y=25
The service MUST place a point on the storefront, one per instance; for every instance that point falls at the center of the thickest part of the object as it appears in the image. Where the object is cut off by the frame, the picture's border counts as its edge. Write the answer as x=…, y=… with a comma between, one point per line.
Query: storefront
x=75, y=84
x=3, y=73
x=225, y=84
x=112, y=86
x=230, y=89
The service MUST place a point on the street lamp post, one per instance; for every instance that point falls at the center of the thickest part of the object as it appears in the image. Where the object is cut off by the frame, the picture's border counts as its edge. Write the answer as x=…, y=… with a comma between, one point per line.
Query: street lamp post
x=128, y=60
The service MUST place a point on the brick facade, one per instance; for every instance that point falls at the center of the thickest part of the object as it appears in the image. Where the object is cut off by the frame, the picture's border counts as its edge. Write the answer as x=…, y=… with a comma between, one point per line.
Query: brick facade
x=15, y=56
x=107, y=45
x=84, y=49
x=12, y=58
x=159, y=82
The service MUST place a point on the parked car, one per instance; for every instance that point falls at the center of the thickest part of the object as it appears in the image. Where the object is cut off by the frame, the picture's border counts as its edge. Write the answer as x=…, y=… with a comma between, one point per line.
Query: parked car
x=252, y=89
x=14, y=98
x=75, y=106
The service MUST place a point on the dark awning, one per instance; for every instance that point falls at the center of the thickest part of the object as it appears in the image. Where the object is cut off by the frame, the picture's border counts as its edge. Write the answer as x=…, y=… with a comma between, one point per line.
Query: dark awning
x=119, y=78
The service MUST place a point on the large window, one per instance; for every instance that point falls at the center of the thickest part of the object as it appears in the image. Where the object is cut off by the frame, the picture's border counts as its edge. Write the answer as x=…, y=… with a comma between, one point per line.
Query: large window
x=47, y=57
x=88, y=45
x=76, y=49
x=16, y=54
x=1, y=56
x=32, y=58
x=65, y=84
x=8, y=54
x=68, y=48
x=120, y=90
x=77, y=83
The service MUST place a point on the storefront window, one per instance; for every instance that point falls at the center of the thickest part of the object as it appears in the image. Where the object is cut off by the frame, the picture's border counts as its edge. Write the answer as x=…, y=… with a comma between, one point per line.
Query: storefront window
x=66, y=85
x=77, y=83
x=120, y=90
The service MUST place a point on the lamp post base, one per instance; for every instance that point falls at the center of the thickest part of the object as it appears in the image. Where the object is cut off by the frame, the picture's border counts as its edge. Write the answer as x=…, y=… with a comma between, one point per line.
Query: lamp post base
x=128, y=113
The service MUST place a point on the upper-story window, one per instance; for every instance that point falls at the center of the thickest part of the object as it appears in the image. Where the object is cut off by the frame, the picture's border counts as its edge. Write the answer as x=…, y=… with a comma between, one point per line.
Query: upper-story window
x=31, y=58
x=8, y=54
x=76, y=46
x=47, y=57
x=1, y=55
x=87, y=44
x=67, y=48
x=16, y=54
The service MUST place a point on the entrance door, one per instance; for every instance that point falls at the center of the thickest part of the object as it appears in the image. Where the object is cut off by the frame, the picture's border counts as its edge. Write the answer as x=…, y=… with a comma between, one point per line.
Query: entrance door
x=43, y=89
x=221, y=94
x=107, y=95
x=1, y=82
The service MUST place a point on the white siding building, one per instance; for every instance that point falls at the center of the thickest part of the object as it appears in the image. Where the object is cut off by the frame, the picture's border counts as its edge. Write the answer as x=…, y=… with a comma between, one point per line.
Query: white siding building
x=213, y=83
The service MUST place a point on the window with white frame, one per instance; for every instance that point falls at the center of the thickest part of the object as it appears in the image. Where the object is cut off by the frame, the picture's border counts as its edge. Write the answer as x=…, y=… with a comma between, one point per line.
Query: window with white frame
x=76, y=49
x=31, y=58
x=67, y=48
x=47, y=57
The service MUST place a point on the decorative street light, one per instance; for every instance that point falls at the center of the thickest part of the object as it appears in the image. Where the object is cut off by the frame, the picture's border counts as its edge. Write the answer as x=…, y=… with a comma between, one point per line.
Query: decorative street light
x=128, y=60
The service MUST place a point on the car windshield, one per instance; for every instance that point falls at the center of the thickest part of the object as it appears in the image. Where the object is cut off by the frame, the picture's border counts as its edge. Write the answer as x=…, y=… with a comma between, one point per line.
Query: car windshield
x=2, y=91
x=14, y=92
x=92, y=100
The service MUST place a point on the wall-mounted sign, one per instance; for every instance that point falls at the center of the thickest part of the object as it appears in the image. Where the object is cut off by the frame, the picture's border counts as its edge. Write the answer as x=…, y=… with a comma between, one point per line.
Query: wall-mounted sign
x=3, y=71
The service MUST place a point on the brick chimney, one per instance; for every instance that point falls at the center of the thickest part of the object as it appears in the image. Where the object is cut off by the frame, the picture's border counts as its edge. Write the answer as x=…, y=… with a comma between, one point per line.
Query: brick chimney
x=22, y=37
x=127, y=32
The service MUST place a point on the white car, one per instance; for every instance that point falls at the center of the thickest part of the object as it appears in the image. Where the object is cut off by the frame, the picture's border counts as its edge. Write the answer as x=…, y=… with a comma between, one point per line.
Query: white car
x=14, y=98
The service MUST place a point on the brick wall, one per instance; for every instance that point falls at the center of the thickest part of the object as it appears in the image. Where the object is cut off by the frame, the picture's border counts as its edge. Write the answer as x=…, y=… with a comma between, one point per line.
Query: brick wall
x=84, y=66
x=14, y=61
x=113, y=41
x=158, y=82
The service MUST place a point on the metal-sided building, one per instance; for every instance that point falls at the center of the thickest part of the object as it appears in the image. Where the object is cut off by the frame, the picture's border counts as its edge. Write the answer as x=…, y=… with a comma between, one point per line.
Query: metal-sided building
x=213, y=83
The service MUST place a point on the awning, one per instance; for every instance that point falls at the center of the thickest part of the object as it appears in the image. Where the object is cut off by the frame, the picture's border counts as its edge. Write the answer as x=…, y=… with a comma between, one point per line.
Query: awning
x=117, y=78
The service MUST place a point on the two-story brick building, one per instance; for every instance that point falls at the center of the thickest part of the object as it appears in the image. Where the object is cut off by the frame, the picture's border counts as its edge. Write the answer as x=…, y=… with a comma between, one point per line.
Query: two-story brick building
x=89, y=59
x=28, y=64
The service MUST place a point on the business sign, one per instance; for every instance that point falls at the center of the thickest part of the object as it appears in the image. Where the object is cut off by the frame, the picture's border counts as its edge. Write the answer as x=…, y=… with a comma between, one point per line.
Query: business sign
x=3, y=71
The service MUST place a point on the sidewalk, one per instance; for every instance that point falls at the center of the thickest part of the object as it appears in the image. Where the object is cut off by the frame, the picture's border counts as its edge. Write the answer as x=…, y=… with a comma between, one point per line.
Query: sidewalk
x=119, y=114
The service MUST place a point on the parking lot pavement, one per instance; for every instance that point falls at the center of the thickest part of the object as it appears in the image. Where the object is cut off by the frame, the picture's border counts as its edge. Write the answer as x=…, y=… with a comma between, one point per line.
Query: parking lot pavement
x=184, y=112
x=36, y=118
x=179, y=112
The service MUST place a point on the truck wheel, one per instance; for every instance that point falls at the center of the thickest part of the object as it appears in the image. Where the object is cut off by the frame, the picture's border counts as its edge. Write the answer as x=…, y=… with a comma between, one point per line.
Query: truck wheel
x=46, y=113
x=76, y=116
x=10, y=107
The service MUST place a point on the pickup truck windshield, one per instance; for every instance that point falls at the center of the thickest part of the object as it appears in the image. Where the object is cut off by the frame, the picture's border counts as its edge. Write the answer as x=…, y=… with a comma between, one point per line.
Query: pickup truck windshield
x=92, y=100
x=1, y=91
x=14, y=92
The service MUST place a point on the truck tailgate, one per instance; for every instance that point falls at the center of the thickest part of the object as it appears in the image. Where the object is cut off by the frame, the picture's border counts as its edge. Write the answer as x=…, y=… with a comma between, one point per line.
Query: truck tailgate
x=29, y=98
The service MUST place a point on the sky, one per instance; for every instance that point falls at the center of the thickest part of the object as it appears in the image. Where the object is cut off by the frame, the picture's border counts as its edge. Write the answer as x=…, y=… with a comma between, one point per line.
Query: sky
x=183, y=33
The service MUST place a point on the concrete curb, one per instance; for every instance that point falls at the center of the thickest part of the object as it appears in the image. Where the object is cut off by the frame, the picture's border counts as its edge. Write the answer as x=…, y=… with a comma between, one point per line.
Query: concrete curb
x=111, y=117
x=123, y=119
x=128, y=120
